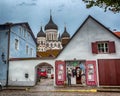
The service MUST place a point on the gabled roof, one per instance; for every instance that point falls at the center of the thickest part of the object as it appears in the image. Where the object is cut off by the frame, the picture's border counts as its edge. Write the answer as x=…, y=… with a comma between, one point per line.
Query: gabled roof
x=82, y=26
x=23, y=23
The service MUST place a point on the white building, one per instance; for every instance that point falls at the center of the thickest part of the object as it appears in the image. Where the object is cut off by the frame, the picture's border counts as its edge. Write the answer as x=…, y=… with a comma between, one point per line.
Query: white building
x=93, y=46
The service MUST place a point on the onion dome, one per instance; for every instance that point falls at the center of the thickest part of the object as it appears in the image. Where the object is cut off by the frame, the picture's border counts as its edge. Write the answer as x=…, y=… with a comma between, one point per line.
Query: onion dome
x=65, y=33
x=41, y=33
x=51, y=24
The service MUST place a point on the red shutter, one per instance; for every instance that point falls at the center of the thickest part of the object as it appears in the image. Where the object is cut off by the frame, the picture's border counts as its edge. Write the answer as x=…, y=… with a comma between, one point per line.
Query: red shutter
x=112, y=47
x=60, y=72
x=94, y=47
x=93, y=80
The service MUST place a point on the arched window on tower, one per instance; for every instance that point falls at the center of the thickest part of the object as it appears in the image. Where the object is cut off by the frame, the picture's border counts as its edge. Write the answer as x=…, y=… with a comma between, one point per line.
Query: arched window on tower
x=41, y=42
x=48, y=36
x=58, y=45
x=47, y=45
x=55, y=44
x=52, y=36
x=51, y=45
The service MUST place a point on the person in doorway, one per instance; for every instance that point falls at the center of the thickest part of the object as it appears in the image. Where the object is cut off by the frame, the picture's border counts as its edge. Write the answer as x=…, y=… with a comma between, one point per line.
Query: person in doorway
x=69, y=77
x=74, y=72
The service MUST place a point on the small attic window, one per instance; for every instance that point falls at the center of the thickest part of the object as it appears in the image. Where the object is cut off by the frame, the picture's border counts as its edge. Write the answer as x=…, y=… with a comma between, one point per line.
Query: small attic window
x=100, y=47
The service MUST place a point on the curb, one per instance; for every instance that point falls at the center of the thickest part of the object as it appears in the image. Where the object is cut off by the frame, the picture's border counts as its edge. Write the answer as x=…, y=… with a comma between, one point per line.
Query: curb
x=72, y=90
x=91, y=90
x=83, y=90
x=109, y=90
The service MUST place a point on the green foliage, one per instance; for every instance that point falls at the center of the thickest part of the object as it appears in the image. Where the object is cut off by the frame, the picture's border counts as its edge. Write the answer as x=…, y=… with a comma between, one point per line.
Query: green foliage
x=112, y=5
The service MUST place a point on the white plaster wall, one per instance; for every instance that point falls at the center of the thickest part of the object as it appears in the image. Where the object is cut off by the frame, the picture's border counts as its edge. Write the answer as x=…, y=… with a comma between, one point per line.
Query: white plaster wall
x=80, y=45
x=17, y=70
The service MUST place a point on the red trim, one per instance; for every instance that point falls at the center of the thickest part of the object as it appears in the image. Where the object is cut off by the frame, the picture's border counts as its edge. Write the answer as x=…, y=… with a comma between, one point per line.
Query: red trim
x=61, y=72
x=93, y=77
x=94, y=47
x=112, y=47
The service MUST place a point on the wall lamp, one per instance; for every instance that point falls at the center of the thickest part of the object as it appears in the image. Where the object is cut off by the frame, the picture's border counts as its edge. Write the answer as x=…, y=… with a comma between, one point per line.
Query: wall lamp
x=3, y=58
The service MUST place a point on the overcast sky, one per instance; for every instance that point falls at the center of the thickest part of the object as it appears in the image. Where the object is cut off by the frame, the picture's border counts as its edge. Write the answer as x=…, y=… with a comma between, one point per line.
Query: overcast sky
x=69, y=12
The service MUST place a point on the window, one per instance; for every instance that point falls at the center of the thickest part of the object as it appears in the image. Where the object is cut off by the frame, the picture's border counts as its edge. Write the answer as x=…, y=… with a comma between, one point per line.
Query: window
x=58, y=45
x=28, y=35
x=25, y=33
x=16, y=44
x=55, y=44
x=31, y=51
x=103, y=47
x=27, y=49
x=20, y=30
x=41, y=42
x=51, y=45
x=47, y=45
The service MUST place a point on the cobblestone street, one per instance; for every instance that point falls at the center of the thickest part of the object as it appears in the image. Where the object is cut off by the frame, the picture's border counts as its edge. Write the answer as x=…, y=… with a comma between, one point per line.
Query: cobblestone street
x=45, y=88
x=25, y=93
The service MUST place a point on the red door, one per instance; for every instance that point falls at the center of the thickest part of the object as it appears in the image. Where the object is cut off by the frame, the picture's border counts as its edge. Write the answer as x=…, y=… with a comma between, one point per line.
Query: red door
x=91, y=77
x=60, y=72
x=109, y=72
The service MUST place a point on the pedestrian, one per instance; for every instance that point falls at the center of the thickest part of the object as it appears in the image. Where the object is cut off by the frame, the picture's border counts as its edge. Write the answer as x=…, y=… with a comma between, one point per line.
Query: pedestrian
x=0, y=86
x=73, y=72
x=69, y=77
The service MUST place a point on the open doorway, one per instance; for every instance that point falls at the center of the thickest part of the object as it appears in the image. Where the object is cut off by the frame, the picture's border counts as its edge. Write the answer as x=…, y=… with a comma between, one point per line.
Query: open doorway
x=77, y=70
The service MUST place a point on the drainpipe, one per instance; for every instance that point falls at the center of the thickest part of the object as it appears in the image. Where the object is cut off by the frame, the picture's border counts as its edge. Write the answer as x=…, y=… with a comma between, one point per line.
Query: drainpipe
x=8, y=51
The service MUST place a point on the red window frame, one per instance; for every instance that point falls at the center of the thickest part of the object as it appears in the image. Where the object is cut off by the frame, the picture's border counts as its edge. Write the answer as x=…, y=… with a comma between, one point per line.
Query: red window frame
x=111, y=47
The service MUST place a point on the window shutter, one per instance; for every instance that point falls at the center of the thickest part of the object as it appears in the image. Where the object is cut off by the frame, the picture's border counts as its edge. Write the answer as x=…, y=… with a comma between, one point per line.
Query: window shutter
x=112, y=47
x=94, y=47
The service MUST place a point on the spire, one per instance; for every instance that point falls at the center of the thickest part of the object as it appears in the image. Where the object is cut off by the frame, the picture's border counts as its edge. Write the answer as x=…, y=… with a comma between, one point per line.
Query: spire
x=41, y=29
x=65, y=27
x=50, y=21
x=50, y=12
x=59, y=38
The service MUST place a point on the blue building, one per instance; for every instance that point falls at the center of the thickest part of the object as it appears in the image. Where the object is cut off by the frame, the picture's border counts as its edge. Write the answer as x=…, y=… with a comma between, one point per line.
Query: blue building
x=16, y=41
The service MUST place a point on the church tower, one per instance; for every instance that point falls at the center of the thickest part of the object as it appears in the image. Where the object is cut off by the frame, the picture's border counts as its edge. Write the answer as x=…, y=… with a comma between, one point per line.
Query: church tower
x=49, y=40
x=65, y=37
x=51, y=30
x=41, y=40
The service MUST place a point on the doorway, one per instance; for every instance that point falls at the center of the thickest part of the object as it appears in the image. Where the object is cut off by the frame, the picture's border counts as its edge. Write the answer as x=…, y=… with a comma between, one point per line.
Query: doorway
x=77, y=68
x=78, y=75
x=44, y=71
